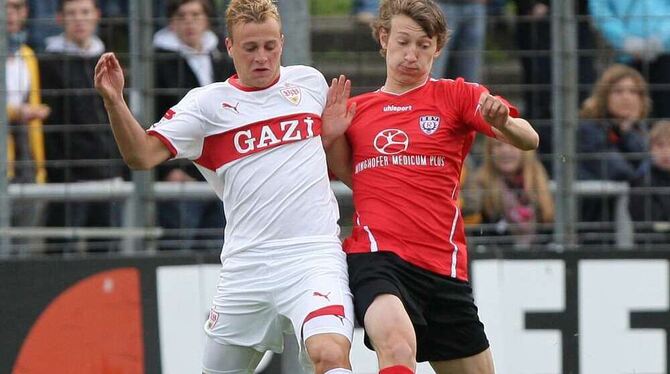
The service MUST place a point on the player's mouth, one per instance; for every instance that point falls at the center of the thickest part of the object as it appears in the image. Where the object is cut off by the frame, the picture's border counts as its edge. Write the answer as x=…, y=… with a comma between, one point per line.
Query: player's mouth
x=409, y=69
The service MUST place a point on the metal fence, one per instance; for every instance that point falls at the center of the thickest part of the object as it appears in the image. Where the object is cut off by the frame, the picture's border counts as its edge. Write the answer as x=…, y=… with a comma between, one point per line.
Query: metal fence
x=341, y=44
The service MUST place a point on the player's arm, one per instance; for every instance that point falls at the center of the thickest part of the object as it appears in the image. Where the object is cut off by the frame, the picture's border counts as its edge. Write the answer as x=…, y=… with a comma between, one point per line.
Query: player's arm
x=339, y=160
x=337, y=116
x=139, y=150
x=515, y=131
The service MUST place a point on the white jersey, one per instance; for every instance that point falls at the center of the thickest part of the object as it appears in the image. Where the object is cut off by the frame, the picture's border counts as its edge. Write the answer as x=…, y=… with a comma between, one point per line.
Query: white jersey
x=261, y=151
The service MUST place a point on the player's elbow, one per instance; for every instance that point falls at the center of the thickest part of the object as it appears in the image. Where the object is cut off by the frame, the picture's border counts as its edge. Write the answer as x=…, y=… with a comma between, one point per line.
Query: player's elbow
x=531, y=143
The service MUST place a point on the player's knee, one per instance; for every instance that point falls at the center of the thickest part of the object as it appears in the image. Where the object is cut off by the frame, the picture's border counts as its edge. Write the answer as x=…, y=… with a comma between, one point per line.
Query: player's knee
x=327, y=353
x=397, y=350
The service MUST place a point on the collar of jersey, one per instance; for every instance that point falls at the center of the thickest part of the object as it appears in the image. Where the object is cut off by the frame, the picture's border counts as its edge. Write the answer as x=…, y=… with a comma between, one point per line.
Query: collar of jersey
x=406, y=92
x=235, y=82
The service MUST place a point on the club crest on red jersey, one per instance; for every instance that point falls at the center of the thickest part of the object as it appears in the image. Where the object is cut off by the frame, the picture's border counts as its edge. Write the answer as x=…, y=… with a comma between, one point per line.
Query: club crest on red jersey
x=429, y=124
x=391, y=141
x=292, y=94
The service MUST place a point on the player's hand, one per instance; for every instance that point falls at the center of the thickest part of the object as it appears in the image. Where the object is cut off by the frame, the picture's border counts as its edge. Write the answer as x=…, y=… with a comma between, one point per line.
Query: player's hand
x=29, y=112
x=109, y=80
x=336, y=115
x=493, y=110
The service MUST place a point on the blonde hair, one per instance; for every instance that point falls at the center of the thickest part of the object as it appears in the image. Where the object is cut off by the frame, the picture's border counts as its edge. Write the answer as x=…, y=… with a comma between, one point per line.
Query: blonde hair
x=424, y=12
x=246, y=11
x=595, y=106
x=659, y=131
x=535, y=185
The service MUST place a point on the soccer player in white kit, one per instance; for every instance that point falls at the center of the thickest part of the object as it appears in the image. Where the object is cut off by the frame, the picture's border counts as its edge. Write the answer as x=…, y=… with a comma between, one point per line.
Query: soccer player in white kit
x=258, y=140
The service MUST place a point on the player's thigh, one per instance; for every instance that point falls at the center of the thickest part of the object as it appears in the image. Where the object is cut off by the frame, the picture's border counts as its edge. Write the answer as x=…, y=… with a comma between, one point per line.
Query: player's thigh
x=387, y=321
x=229, y=359
x=481, y=363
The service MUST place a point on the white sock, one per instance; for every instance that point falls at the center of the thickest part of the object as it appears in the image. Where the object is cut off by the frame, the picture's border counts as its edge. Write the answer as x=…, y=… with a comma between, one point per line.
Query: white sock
x=339, y=371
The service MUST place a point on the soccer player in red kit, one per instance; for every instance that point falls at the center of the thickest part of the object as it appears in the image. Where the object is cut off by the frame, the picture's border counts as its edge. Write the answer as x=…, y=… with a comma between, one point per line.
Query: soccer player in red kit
x=402, y=156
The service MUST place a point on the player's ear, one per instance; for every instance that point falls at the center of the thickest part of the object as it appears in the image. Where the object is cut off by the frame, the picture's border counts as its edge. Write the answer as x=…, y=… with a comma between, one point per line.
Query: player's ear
x=229, y=46
x=383, y=37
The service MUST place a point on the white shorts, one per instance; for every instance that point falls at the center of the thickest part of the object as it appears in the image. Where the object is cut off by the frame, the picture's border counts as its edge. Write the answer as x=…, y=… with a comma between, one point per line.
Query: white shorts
x=262, y=295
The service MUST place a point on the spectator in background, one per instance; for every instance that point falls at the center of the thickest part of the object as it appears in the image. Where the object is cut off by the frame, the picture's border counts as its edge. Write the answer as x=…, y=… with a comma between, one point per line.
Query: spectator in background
x=650, y=208
x=187, y=56
x=365, y=10
x=533, y=37
x=639, y=31
x=79, y=145
x=25, y=113
x=42, y=22
x=514, y=193
x=462, y=56
x=612, y=135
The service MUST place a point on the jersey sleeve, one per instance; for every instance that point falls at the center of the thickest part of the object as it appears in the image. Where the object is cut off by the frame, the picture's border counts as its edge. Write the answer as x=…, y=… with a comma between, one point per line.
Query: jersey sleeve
x=320, y=87
x=468, y=95
x=181, y=128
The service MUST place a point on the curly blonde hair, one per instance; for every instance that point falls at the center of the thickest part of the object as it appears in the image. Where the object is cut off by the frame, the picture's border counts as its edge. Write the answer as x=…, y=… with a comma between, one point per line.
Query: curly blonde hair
x=424, y=12
x=246, y=11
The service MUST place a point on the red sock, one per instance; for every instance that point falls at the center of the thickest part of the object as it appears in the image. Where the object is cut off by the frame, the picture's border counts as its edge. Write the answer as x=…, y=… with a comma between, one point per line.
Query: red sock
x=398, y=369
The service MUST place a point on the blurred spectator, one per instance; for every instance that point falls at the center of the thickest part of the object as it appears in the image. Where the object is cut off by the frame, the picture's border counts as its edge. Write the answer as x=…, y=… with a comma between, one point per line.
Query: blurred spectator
x=42, y=22
x=366, y=10
x=187, y=57
x=612, y=135
x=79, y=144
x=639, y=31
x=514, y=193
x=650, y=207
x=462, y=55
x=533, y=36
x=25, y=113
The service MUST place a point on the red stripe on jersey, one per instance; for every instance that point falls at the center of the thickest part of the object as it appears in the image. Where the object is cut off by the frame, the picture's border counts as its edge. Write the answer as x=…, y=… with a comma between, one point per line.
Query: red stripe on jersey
x=220, y=149
x=164, y=140
x=330, y=310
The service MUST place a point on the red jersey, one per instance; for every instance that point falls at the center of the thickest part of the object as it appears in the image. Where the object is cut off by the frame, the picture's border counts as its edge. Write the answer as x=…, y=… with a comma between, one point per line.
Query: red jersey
x=408, y=151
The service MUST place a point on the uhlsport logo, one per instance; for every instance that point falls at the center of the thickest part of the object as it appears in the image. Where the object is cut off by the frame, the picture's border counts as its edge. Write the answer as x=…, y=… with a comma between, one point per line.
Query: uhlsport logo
x=429, y=124
x=397, y=108
x=391, y=141
x=292, y=94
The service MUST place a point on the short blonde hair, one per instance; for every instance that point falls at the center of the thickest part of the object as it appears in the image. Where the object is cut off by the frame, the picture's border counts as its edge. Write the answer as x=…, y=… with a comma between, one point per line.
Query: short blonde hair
x=424, y=12
x=659, y=131
x=246, y=11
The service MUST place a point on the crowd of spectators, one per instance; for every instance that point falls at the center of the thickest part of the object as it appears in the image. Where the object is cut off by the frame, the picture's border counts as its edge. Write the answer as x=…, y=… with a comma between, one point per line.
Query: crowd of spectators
x=58, y=129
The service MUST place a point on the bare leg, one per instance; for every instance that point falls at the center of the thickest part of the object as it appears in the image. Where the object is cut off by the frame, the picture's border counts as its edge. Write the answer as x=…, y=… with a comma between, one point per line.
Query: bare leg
x=481, y=363
x=391, y=332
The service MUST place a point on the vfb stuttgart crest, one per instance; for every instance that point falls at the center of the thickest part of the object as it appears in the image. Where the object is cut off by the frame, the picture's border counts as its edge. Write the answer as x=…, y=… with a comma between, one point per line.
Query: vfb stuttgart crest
x=429, y=124
x=292, y=94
